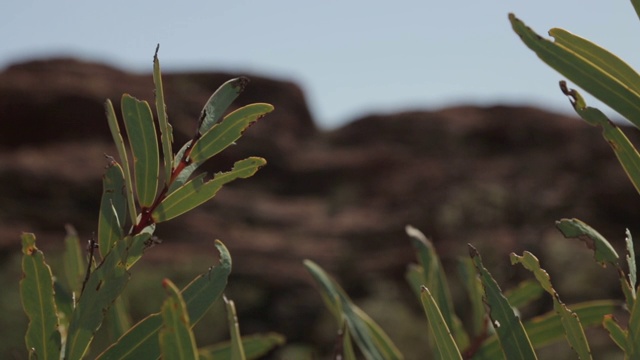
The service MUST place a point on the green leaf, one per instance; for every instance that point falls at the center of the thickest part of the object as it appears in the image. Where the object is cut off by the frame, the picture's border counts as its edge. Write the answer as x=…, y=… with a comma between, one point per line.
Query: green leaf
x=74, y=260
x=143, y=141
x=616, y=333
x=473, y=286
x=222, y=135
x=636, y=6
x=603, y=252
x=237, y=351
x=626, y=153
x=589, y=66
x=547, y=328
x=36, y=291
x=633, y=337
x=141, y=341
x=113, y=208
x=220, y=101
x=124, y=159
x=631, y=260
x=570, y=321
x=443, y=338
x=436, y=280
x=197, y=192
x=511, y=334
x=525, y=293
x=176, y=338
x=166, y=132
x=118, y=319
x=255, y=347
x=369, y=337
x=104, y=285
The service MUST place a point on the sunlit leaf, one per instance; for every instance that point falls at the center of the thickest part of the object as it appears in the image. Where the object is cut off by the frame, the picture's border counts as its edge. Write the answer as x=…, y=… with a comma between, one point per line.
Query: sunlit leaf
x=237, y=351
x=220, y=101
x=590, y=67
x=197, y=192
x=143, y=141
x=225, y=133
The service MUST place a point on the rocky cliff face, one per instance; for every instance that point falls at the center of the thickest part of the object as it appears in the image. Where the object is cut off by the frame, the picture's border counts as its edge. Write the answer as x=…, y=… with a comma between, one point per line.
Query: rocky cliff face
x=496, y=177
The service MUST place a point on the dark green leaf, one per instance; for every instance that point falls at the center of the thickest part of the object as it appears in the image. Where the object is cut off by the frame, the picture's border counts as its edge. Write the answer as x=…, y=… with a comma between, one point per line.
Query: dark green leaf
x=113, y=208
x=36, y=291
x=603, y=252
x=255, y=347
x=166, y=132
x=570, y=320
x=369, y=337
x=143, y=141
x=237, y=351
x=616, y=333
x=176, y=338
x=104, y=285
x=513, y=339
x=141, y=341
x=584, y=65
x=124, y=159
x=443, y=339
x=74, y=260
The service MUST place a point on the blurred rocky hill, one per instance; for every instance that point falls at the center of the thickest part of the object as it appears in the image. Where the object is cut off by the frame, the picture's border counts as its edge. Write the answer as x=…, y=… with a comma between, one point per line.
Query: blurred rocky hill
x=497, y=177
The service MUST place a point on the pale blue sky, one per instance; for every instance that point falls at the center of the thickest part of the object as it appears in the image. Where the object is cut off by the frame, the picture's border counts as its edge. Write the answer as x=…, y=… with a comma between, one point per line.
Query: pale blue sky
x=351, y=57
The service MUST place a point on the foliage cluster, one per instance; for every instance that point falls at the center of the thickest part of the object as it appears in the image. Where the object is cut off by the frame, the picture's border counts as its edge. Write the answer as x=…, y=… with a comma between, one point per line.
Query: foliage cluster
x=154, y=185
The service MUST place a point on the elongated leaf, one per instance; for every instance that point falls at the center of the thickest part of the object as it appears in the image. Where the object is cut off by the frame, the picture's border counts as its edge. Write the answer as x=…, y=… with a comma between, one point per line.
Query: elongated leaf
x=570, y=320
x=104, y=285
x=113, y=208
x=600, y=58
x=176, y=338
x=436, y=279
x=626, y=153
x=197, y=192
x=143, y=141
x=74, y=261
x=124, y=159
x=221, y=135
x=525, y=293
x=166, y=132
x=443, y=338
x=547, y=328
x=603, y=252
x=141, y=341
x=616, y=333
x=631, y=260
x=36, y=291
x=220, y=101
x=369, y=337
x=434, y=276
x=633, y=337
x=583, y=65
x=237, y=351
x=473, y=286
x=118, y=319
x=255, y=347
x=513, y=339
